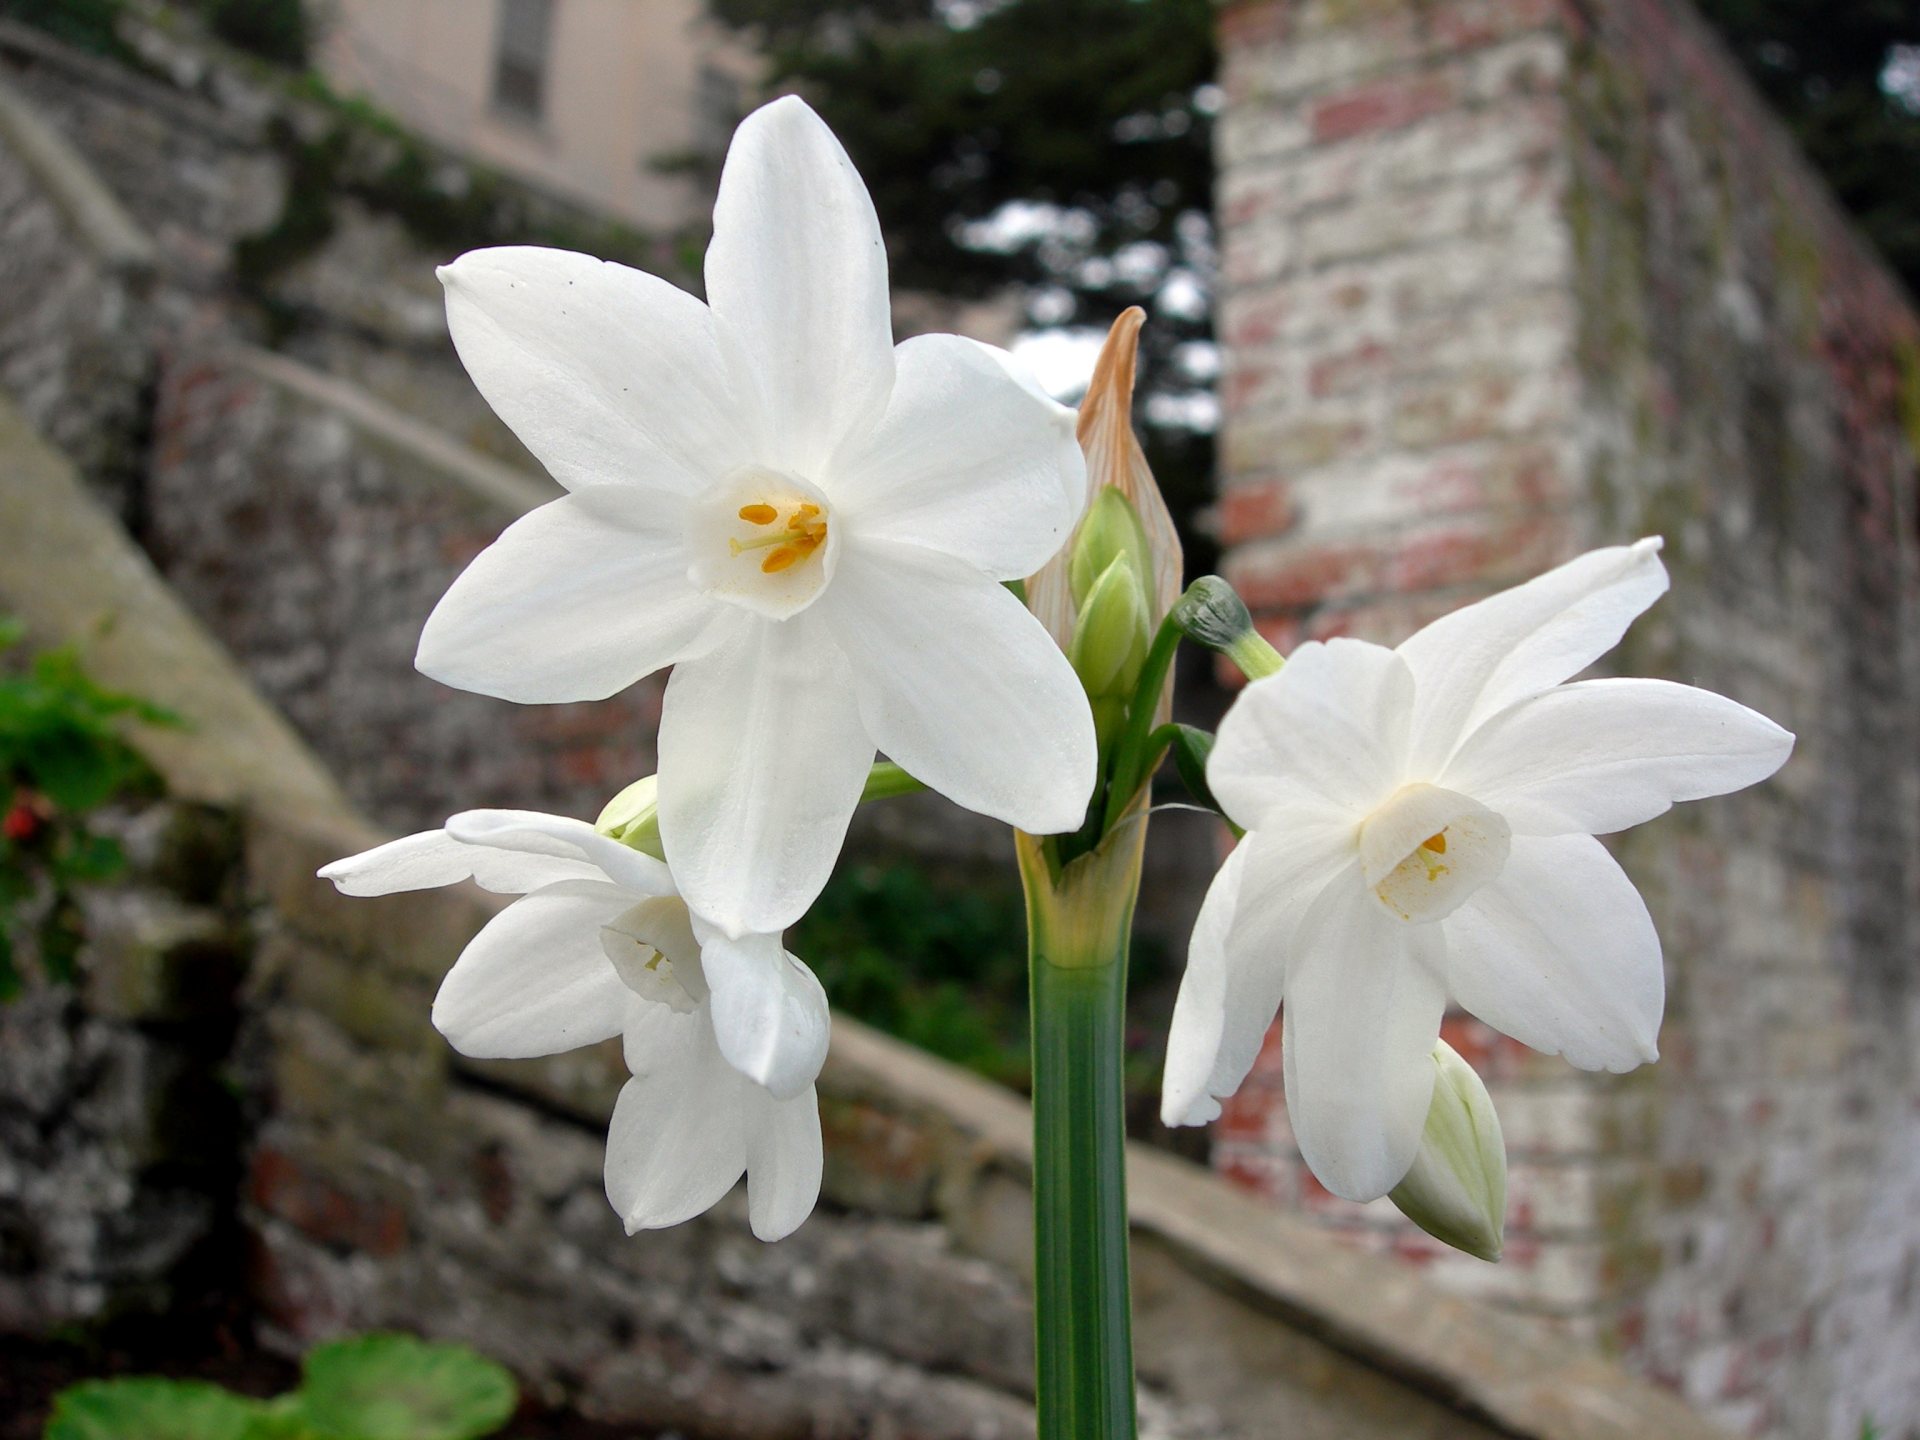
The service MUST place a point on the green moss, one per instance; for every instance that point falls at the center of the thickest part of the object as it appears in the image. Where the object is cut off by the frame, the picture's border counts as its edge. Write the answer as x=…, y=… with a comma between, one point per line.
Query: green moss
x=306, y=217
x=274, y=30
x=1800, y=269
x=363, y=153
x=87, y=24
x=1906, y=359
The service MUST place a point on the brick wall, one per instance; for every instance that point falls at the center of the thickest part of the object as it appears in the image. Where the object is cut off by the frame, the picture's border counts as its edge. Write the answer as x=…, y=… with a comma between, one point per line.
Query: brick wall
x=1505, y=280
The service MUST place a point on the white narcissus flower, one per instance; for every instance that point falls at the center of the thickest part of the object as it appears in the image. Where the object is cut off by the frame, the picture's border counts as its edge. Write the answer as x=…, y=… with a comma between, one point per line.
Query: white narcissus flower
x=724, y=1037
x=1420, y=828
x=809, y=524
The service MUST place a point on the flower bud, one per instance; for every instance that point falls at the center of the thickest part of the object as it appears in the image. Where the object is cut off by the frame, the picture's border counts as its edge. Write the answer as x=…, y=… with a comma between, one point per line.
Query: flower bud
x=1211, y=613
x=1112, y=530
x=1112, y=633
x=633, y=817
x=1457, y=1188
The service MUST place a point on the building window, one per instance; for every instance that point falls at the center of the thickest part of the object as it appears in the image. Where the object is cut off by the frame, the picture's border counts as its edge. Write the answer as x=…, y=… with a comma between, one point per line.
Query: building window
x=520, y=57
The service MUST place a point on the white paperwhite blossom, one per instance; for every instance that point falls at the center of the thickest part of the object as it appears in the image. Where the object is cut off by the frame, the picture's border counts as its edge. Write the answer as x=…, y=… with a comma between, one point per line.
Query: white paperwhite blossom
x=724, y=1037
x=1420, y=828
x=809, y=524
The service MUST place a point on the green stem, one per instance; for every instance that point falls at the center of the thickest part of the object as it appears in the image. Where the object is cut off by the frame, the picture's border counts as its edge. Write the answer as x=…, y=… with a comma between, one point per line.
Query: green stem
x=887, y=779
x=1078, y=925
x=640, y=829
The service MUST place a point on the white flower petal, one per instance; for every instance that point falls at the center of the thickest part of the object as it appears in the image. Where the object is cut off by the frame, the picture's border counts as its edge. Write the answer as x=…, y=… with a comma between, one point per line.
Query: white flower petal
x=1362, y=1012
x=965, y=462
x=762, y=760
x=678, y=1140
x=797, y=272
x=784, y=1161
x=532, y=832
x=535, y=980
x=959, y=684
x=1488, y=655
x=1237, y=964
x=1200, y=1010
x=574, y=601
x=769, y=1013
x=434, y=858
x=610, y=376
x=1600, y=755
x=1560, y=953
x=1326, y=735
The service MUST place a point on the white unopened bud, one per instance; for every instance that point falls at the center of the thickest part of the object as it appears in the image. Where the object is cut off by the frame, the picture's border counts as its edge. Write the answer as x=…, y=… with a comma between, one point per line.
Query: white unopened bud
x=1457, y=1188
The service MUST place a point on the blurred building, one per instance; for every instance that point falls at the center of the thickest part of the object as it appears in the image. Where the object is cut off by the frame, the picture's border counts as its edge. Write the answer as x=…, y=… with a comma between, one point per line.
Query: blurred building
x=606, y=102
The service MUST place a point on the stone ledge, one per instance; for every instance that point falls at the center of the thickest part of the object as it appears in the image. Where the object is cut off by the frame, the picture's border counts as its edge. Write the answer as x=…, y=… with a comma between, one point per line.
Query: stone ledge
x=71, y=574
x=97, y=217
x=504, y=487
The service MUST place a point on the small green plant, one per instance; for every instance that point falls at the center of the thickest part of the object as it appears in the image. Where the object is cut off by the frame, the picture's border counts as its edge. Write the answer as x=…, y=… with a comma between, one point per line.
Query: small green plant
x=365, y=1387
x=61, y=756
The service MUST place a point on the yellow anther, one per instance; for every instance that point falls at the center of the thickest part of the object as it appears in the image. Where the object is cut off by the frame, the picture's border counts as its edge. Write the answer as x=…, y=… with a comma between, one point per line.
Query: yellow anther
x=780, y=559
x=761, y=514
x=1436, y=843
x=805, y=511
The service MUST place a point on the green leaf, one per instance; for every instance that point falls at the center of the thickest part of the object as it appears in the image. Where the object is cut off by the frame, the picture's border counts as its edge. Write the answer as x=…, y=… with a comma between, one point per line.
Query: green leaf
x=398, y=1387
x=1191, y=747
x=146, y=1408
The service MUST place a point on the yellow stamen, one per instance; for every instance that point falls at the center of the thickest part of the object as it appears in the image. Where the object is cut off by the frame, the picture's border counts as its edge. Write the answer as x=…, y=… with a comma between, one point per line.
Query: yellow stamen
x=761, y=514
x=780, y=559
x=1436, y=843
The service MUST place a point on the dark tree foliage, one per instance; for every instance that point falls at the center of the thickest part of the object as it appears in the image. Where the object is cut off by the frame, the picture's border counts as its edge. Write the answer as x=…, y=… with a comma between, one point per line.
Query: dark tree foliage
x=1097, y=110
x=275, y=30
x=1826, y=67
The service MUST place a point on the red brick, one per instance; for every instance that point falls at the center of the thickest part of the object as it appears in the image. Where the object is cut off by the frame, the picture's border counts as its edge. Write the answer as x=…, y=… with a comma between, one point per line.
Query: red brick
x=1379, y=105
x=1253, y=512
x=1245, y=23
x=282, y=1186
x=1362, y=365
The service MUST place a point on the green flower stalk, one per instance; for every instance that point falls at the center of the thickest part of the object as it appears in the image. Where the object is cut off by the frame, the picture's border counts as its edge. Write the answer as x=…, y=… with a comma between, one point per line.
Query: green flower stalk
x=1101, y=598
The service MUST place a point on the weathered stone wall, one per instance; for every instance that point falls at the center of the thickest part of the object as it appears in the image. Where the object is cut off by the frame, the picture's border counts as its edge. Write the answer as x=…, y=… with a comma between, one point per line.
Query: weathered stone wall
x=315, y=529
x=386, y=1182
x=119, y=1145
x=74, y=345
x=1506, y=280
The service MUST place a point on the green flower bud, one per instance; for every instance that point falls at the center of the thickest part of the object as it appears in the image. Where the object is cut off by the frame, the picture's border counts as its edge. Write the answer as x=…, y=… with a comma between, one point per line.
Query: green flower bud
x=1457, y=1188
x=1112, y=529
x=1211, y=613
x=633, y=817
x=1112, y=632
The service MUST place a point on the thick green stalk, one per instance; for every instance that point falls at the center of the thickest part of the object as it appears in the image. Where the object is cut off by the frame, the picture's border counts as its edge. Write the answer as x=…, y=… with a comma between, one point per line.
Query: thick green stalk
x=1079, y=919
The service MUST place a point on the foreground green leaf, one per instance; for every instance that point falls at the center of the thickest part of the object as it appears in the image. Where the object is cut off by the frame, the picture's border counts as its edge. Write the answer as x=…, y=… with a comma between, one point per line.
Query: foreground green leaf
x=398, y=1387
x=152, y=1409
